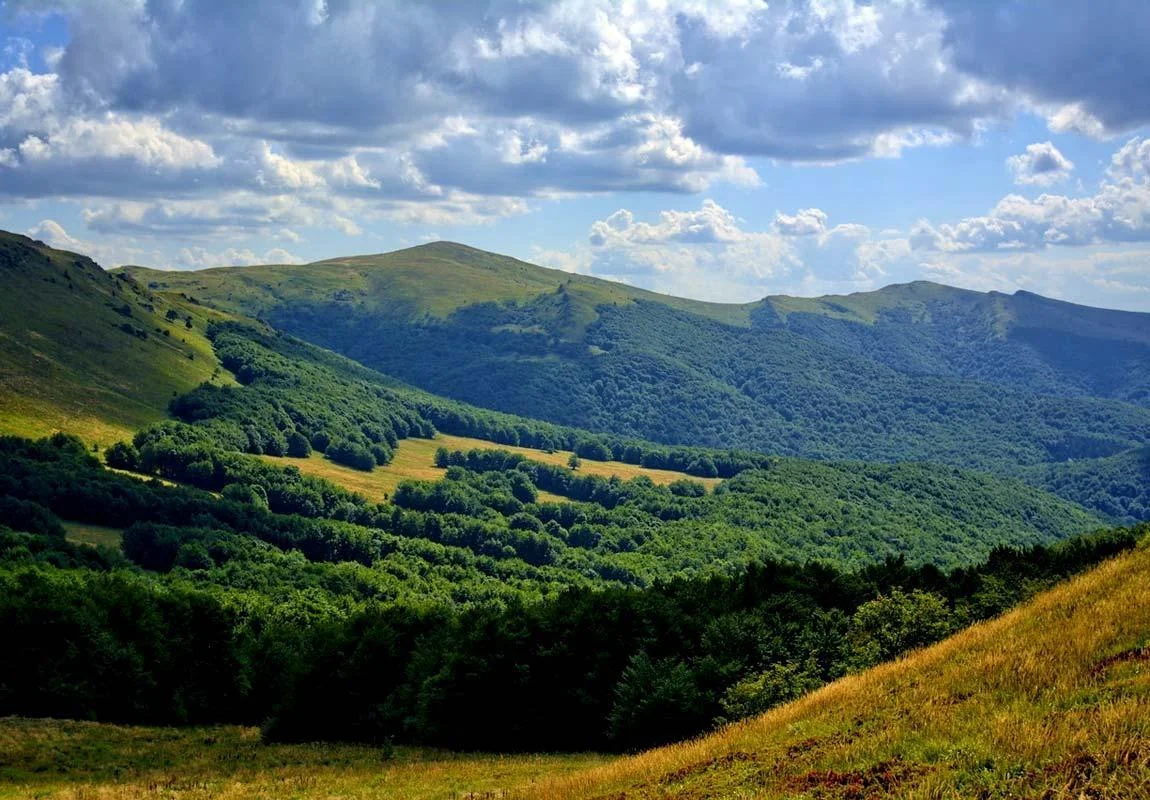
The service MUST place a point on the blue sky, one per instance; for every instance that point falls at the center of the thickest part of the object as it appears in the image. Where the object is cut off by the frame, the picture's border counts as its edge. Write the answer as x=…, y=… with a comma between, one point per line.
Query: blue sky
x=722, y=150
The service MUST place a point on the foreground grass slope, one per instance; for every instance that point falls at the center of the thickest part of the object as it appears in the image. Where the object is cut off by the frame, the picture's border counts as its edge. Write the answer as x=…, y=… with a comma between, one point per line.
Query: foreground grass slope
x=86, y=352
x=56, y=760
x=1051, y=700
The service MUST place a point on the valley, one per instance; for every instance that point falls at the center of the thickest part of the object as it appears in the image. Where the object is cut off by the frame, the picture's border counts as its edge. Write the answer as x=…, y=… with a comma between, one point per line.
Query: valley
x=574, y=400
x=1067, y=693
x=698, y=515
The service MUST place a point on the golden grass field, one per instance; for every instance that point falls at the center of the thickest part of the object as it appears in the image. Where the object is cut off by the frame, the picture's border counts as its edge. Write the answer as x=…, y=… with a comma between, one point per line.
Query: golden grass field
x=55, y=760
x=1050, y=701
x=415, y=460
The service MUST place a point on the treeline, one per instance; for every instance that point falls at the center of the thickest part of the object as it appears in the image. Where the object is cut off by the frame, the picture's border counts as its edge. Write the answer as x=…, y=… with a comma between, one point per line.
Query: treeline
x=644, y=370
x=294, y=399
x=361, y=550
x=91, y=637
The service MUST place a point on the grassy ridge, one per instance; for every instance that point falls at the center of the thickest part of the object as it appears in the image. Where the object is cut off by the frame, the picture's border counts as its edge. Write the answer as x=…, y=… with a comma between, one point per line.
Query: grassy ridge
x=434, y=279
x=68, y=760
x=1050, y=700
x=67, y=359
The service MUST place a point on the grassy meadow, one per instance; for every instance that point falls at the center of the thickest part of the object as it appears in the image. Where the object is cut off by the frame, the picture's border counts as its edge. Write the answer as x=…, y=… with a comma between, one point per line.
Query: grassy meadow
x=58, y=760
x=68, y=364
x=415, y=460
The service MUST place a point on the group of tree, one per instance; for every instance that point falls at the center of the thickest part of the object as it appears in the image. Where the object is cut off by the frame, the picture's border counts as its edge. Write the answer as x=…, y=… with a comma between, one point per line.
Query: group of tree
x=207, y=618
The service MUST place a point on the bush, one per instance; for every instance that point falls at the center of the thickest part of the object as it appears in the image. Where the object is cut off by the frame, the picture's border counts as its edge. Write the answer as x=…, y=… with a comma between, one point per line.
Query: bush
x=123, y=455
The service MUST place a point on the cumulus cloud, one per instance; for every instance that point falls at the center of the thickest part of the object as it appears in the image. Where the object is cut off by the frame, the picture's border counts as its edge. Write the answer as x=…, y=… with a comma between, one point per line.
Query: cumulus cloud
x=52, y=232
x=217, y=119
x=200, y=258
x=826, y=82
x=1118, y=212
x=1042, y=164
x=806, y=222
x=1131, y=161
x=711, y=254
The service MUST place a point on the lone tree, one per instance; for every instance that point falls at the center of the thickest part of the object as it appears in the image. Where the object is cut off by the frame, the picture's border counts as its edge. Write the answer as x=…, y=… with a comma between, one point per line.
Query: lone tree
x=574, y=461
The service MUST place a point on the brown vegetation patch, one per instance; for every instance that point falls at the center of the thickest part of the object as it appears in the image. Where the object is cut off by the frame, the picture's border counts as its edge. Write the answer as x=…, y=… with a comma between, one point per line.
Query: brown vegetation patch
x=873, y=782
x=1071, y=776
x=710, y=765
x=1126, y=656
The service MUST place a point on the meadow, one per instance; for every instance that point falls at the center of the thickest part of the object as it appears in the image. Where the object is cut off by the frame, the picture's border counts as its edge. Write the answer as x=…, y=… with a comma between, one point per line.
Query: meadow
x=414, y=459
x=61, y=760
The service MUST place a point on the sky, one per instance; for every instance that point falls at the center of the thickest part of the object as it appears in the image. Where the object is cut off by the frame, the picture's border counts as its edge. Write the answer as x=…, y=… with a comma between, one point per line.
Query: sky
x=717, y=149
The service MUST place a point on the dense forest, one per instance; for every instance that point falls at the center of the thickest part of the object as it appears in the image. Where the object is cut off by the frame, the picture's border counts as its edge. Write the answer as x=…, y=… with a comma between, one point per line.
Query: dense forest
x=220, y=610
x=848, y=513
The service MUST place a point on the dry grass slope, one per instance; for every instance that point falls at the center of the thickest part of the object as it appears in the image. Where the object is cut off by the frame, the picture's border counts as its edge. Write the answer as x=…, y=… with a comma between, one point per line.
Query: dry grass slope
x=1050, y=701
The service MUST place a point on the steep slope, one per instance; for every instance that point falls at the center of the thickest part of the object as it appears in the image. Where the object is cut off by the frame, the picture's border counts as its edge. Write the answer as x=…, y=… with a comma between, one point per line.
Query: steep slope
x=85, y=351
x=920, y=371
x=1050, y=700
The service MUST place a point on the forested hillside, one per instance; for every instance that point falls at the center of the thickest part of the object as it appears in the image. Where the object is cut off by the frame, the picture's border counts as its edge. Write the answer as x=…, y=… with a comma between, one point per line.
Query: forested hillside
x=511, y=589
x=1047, y=701
x=914, y=372
x=463, y=601
x=1023, y=340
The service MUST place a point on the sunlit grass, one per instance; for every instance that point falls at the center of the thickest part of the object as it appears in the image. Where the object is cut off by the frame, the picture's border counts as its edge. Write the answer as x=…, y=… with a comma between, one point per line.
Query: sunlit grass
x=77, y=760
x=83, y=533
x=415, y=460
x=1052, y=700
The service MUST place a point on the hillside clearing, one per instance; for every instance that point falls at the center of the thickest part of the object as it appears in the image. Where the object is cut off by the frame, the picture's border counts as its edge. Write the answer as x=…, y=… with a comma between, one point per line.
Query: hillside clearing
x=415, y=460
x=95, y=535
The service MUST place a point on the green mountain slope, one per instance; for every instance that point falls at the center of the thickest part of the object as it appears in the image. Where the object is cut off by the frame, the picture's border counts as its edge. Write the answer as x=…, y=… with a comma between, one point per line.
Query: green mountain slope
x=919, y=371
x=84, y=351
x=1023, y=341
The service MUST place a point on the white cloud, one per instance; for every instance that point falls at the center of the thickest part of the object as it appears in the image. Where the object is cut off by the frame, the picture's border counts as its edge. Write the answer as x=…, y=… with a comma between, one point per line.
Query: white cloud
x=710, y=254
x=805, y=222
x=1118, y=212
x=200, y=258
x=1073, y=118
x=1042, y=164
x=52, y=232
x=1131, y=161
